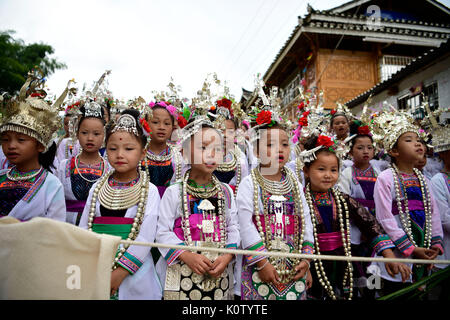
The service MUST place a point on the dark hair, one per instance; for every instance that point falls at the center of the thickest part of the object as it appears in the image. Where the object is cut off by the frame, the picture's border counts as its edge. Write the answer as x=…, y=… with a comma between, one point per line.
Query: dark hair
x=186, y=142
x=235, y=122
x=337, y=115
x=354, y=125
x=311, y=143
x=83, y=117
x=46, y=159
x=163, y=108
x=266, y=127
x=135, y=113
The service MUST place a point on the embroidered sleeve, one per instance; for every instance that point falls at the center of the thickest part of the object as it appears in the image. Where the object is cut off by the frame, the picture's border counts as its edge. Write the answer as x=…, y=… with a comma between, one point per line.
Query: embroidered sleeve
x=250, y=260
x=382, y=242
x=307, y=247
x=173, y=254
x=130, y=263
x=438, y=242
x=404, y=245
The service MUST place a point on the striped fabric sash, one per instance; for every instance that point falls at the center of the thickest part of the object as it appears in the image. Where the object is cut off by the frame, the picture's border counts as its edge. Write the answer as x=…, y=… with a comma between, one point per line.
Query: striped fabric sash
x=115, y=226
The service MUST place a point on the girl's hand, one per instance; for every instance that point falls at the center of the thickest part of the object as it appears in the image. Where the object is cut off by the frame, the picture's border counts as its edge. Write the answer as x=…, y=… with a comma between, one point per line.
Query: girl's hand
x=434, y=256
x=268, y=273
x=117, y=276
x=197, y=262
x=427, y=254
x=301, y=269
x=220, y=264
x=394, y=268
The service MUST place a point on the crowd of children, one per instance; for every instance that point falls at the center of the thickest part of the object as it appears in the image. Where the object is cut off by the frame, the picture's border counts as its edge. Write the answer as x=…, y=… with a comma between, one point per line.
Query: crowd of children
x=210, y=175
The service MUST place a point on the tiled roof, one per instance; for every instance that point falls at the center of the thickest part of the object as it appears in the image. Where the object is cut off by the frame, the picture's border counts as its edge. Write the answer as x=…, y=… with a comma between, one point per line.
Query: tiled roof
x=427, y=33
x=410, y=68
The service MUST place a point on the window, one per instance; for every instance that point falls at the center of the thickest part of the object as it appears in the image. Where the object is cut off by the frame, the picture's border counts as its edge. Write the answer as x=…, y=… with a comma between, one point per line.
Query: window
x=414, y=103
x=391, y=64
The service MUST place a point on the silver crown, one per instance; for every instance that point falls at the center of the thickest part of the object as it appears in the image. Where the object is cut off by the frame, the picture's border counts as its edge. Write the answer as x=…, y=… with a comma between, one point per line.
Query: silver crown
x=92, y=109
x=126, y=122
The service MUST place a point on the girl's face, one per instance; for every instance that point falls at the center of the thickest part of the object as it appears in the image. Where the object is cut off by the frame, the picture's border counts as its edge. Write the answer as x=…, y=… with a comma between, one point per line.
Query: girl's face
x=323, y=173
x=161, y=125
x=20, y=148
x=362, y=150
x=91, y=134
x=206, y=151
x=124, y=151
x=229, y=133
x=409, y=148
x=340, y=126
x=273, y=148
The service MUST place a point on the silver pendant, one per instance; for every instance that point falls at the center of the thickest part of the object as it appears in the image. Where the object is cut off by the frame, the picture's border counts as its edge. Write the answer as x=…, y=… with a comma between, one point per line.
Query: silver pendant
x=263, y=290
x=218, y=294
x=197, y=278
x=224, y=284
x=185, y=270
x=300, y=286
x=255, y=277
x=207, y=226
x=173, y=278
x=186, y=284
x=195, y=295
x=291, y=296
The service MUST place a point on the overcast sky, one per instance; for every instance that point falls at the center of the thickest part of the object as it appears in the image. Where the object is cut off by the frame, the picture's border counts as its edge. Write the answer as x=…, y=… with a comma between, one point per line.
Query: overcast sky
x=145, y=43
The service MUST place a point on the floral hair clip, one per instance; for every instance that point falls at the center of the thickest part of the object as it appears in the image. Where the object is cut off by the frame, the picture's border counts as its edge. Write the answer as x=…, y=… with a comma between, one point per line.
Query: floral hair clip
x=170, y=108
x=226, y=104
x=72, y=107
x=145, y=127
x=323, y=142
x=265, y=117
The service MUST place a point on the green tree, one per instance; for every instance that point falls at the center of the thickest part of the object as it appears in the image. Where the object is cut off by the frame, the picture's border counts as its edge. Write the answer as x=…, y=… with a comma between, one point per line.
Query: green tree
x=17, y=58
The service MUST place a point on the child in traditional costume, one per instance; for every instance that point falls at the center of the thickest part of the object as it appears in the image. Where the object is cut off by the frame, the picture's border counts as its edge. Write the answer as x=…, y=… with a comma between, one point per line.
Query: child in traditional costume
x=163, y=161
x=273, y=216
x=332, y=215
x=28, y=189
x=335, y=215
x=235, y=166
x=198, y=211
x=79, y=172
x=404, y=204
x=124, y=203
x=440, y=185
x=359, y=179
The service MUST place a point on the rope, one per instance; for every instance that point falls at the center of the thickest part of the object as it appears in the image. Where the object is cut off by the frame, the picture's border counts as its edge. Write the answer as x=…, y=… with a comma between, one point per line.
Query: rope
x=283, y=254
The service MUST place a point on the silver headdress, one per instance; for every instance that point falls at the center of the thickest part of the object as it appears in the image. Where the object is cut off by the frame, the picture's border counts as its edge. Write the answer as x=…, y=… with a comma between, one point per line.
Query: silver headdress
x=440, y=132
x=192, y=128
x=126, y=122
x=270, y=113
x=29, y=114
x=92, y=109
x=315, y=122
x=389, y=125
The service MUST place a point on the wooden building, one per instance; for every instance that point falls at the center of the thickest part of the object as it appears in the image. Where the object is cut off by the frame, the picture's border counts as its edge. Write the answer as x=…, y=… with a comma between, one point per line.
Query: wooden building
x=347, y=50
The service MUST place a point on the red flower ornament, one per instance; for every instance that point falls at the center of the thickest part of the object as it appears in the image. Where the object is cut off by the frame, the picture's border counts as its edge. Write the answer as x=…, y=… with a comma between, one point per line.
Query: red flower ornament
x=182, y=122
x=303, y=122
x=364, y=130
x=324, y=141
x=145, y=126
x=264, y=117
